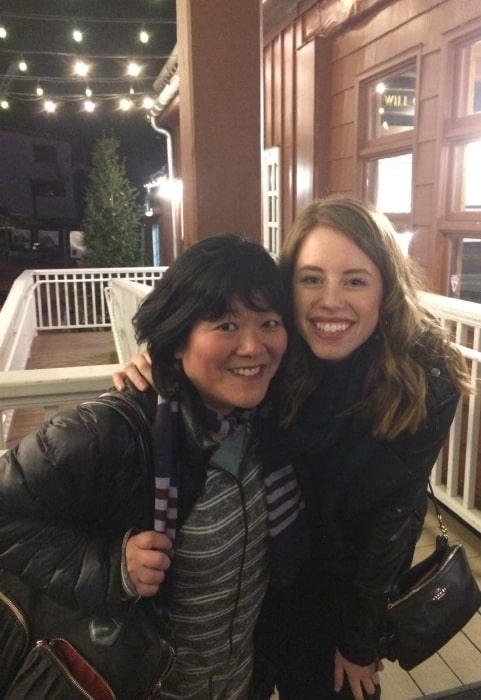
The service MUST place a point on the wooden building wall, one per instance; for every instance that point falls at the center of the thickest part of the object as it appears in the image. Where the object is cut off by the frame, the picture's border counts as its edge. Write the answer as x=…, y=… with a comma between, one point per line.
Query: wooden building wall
x=314, y=110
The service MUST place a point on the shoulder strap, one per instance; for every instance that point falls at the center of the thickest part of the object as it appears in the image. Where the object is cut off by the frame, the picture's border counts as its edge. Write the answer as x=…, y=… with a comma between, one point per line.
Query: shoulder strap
x=442, y=526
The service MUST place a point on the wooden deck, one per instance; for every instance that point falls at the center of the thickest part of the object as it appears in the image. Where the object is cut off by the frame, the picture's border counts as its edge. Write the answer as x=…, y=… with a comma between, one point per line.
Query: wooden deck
x=457, y=664
x=62, y=349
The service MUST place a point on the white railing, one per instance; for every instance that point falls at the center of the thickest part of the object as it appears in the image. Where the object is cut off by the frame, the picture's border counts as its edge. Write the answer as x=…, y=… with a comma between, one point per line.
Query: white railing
x=49, y=389
x=58, y=300
x=66, y=300
x=456, y=476
x=75, y=299
x=123, y=299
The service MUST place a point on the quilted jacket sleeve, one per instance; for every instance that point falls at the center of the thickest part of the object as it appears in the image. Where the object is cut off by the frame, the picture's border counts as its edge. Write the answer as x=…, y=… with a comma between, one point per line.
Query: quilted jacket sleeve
x=68, y=493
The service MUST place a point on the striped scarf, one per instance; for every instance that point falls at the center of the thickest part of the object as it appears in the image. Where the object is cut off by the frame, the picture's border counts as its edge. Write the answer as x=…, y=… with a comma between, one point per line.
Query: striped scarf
x=186, y=435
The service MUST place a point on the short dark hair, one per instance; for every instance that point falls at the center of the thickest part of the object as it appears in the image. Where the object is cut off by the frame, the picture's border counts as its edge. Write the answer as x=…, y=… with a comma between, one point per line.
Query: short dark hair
x=203, y=284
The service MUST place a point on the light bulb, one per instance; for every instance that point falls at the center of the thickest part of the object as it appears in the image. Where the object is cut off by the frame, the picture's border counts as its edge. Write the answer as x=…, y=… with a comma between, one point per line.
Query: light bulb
x=50, y=106
x=81, y=68
x=133, y=69
x=125, y=104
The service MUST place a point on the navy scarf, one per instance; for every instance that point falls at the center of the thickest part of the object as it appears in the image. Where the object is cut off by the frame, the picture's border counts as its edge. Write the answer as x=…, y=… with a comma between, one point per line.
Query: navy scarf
x=185, y=435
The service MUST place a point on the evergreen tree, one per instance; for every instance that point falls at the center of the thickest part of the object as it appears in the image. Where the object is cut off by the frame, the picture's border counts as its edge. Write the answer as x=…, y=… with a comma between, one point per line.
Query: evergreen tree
x=110, y=224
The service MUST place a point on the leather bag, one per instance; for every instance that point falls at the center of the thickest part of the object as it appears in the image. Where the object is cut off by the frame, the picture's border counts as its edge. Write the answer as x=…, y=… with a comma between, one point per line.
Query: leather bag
x=125, y=658
x=430, y=603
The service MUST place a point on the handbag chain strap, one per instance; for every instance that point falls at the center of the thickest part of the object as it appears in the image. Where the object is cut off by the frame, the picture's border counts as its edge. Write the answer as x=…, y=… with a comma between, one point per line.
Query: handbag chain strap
x=442, y=526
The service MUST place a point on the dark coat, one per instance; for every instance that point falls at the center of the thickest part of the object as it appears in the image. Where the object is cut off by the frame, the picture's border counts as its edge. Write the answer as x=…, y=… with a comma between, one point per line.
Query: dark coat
x=366, y=500
x=68, y=494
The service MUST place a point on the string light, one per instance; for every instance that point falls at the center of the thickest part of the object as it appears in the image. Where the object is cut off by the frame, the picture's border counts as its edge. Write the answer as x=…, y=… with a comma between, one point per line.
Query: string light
x=50, y=106
x=125, y=104
x=81, y=69
x=4, y=104
x=134, y=69
x=105, y=70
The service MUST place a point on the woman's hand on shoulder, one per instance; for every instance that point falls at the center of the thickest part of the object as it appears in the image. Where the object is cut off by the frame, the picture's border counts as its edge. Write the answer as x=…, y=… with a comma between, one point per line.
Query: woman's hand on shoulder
x=138, y=369
x=359, y=677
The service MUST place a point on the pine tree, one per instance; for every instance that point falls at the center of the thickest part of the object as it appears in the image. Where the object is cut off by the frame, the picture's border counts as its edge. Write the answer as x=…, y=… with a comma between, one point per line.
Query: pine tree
x=110, y=224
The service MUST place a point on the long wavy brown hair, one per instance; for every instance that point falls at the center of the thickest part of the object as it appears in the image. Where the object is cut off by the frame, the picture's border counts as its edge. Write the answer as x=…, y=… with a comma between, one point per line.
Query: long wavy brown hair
x=411, y=339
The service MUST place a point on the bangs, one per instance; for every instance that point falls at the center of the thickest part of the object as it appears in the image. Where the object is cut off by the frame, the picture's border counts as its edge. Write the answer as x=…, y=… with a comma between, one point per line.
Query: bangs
x=256, y=290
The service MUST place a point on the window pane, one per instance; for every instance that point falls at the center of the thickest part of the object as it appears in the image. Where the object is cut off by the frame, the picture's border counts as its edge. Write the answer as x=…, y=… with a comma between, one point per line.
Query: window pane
x=393, y=183
x=392, y=102
x=470, y=102
x=465, y=278
x=468, y=181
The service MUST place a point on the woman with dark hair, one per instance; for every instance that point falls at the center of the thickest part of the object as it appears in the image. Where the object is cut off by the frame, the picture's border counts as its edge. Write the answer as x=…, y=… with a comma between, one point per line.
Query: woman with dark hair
x=369, y=391
x=226, y=511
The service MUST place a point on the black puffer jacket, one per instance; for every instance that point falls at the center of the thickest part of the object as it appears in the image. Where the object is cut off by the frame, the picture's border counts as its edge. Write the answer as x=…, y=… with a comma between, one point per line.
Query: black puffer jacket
x=68, y=494
x=366, y=501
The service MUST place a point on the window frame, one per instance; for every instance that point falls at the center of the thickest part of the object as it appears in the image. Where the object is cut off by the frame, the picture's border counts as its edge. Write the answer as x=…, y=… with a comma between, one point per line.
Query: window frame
x=271, y=200
x=372, y=149
x=458, y=130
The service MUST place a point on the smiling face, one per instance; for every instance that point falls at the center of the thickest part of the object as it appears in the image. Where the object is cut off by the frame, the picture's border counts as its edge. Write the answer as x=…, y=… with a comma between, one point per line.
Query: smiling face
x=232, y=360
x=337, y=294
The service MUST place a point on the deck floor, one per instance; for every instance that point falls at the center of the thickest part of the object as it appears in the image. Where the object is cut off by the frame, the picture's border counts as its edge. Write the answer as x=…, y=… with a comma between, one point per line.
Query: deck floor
x=61, y=349
x=458, y=663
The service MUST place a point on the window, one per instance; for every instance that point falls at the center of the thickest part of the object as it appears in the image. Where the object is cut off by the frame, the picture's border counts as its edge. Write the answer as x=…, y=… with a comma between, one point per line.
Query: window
x=48, y=188
x=390, y=197
x=392, y=103
x=271, y=200
x=156, y=261
x=463, y=131
x=44, y=153
x=467, y=180
x=461, y=193
x=461, y=201
x=388, y=105
x=465, y=273
x=468, y=66
x=76, y=241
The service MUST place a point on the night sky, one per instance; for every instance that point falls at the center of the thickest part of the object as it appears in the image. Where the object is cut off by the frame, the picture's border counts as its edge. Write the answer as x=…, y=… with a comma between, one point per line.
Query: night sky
x=40, y=32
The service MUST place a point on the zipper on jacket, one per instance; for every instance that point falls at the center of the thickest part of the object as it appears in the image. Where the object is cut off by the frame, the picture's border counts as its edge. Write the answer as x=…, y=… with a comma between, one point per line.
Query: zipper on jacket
x=19, y=617
x=246, y=449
